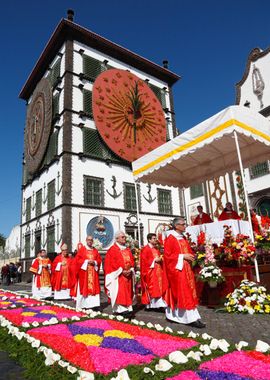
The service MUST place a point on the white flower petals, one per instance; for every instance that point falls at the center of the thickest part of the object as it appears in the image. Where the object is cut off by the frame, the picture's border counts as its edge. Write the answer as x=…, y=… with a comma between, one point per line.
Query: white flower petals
x=178, y=357
x=241, y=344
x=83, y=375
x=262, y=346
x=163, y=365
x=148, y=370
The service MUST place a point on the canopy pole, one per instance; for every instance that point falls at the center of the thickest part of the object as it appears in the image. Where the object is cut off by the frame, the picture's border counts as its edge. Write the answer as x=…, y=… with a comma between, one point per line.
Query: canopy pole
x=138, y=212
x=246, y=199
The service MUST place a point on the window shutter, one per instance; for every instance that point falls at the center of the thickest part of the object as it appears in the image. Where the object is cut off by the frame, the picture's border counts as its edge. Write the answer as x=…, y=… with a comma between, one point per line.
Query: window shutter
x=130, y=197
x=52, y=148
x=51, y=195
x=87, y=103
x=27, y=245
x=91, y=67
x=94, y=146
x=196, y=191
x=55, y=72
x=93, y=191
x=38, y=202
x=164, y=201
x=55, y=106
x=160, y=94
x=28, y=209
x=50, y=239
x=259, y=170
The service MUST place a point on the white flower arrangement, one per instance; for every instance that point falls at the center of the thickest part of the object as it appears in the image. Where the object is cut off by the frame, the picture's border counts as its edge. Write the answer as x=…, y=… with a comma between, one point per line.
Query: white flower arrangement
x=211, y=273
x=248, y=298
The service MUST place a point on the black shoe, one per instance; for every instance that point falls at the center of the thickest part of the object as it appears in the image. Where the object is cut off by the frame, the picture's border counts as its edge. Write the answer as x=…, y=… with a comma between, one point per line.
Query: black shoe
x=198, y=324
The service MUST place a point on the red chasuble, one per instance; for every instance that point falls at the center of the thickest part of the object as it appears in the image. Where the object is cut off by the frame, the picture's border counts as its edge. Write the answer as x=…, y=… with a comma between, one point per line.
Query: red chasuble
x=225, y=215
x=202, y=219
x=116, y=258
x=43, y=278
x=61, y=279
x=88, y=279
x=153, y=280
x=182, y=291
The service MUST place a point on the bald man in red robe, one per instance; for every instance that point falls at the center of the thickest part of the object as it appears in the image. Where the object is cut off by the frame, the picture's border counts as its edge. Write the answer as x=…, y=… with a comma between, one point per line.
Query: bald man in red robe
x=87, y=265
x=153, y=279
x=119, y=276
x=181, y=296
x=202, y=217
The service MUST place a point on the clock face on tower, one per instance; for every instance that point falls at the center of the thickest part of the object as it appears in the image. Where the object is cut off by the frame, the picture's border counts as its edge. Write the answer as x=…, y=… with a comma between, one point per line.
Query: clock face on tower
x=38, y=125
x=127, y=114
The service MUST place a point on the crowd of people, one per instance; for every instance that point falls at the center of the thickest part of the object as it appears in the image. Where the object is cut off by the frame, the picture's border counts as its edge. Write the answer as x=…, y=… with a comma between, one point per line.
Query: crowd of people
x=167, y=280
x=11, y=273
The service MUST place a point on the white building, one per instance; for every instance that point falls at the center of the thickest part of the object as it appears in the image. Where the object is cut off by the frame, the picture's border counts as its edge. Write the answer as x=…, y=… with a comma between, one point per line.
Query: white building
x=74, y=182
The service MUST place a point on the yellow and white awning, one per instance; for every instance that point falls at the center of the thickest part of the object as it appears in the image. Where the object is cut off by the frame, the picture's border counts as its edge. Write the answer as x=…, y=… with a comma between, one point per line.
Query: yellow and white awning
x=207, y=150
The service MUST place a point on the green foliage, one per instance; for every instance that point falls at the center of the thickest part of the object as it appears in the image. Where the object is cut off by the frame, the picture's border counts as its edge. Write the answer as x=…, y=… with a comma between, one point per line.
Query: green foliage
x=2, y=240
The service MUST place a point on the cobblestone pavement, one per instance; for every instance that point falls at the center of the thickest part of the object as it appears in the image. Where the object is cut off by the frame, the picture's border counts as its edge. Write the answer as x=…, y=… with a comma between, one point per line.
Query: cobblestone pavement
x=232, y=327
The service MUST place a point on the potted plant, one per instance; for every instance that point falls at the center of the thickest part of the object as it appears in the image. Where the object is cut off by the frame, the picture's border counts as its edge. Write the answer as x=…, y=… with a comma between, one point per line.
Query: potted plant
x=211, y=274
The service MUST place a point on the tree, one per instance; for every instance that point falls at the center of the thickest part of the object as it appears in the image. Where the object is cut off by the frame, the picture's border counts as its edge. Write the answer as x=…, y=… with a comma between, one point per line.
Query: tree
x=2, y=241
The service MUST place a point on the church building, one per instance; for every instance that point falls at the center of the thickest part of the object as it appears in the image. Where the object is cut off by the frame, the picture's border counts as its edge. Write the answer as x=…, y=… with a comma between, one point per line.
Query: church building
x=92, y=108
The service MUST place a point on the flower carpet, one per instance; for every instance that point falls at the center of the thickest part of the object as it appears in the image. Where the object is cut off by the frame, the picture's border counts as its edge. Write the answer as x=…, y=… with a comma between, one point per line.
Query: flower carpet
x=86, y=344
x=93, y=345
x=4, y=294
x=18, y=302
x=237, y=365
x=39, y=314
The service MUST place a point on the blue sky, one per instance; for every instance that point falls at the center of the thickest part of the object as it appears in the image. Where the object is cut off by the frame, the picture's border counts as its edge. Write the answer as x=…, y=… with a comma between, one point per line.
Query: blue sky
x=206, y=42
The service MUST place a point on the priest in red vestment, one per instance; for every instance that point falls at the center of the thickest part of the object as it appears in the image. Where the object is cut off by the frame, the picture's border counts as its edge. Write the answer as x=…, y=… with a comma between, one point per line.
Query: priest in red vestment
x=87, y=265
x=202, y=217
x=228, y=213
x=181, y=296
x=41, y=269
x=61, y=276
x=119, y=276
x=256, y=222
x=153, y=279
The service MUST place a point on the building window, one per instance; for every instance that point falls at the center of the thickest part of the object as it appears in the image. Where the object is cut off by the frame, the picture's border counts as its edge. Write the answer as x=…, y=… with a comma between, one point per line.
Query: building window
x=87, y=103
x=27, y=245
x=28, y=209
x=91, y=67
x=37, y=241
x=38, y=202
x=51, y=195
x=94, y=146
x=93, y=191
x=164, y=201
x=52, y=149
x=50, y=239
x=160, y=94
x=130, y=197
x=259, y=170
x=55, y=106
x=55, y=72
x=196, y=191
